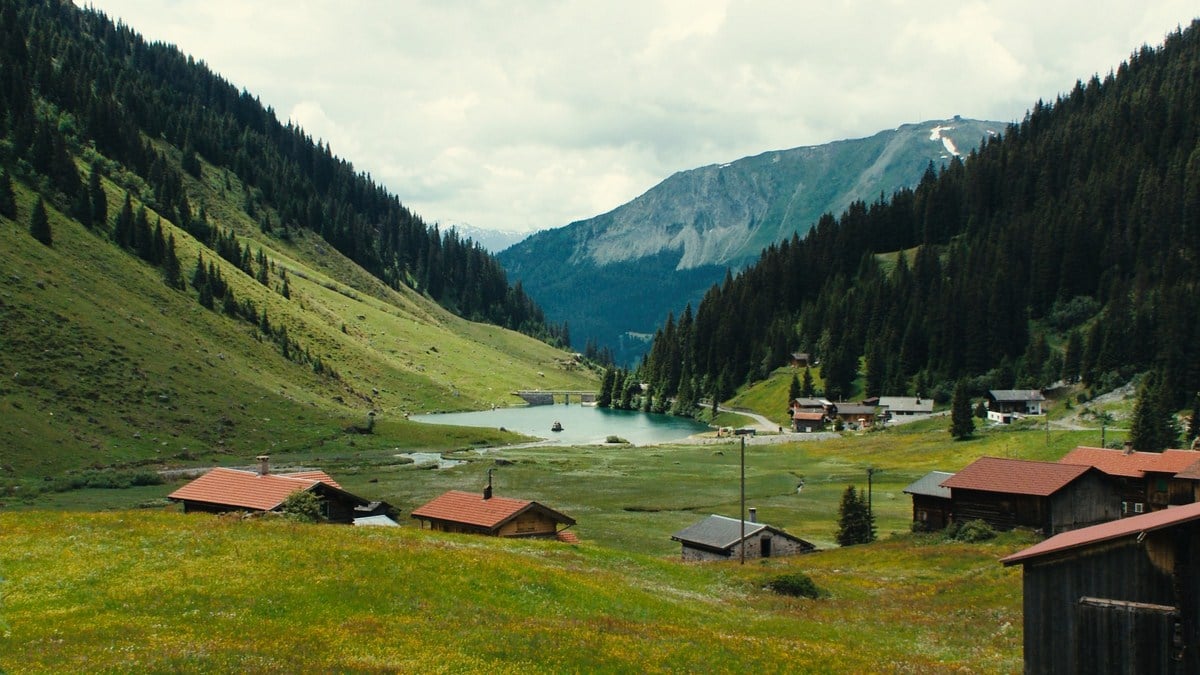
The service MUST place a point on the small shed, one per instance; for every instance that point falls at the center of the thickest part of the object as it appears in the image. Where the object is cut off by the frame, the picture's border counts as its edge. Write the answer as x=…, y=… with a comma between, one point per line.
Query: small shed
x=808, y=421
x=932, y=507
x=222, y=490
x=1048, y=496
x=1121, y=597
x=475, y=513
x=720, y=538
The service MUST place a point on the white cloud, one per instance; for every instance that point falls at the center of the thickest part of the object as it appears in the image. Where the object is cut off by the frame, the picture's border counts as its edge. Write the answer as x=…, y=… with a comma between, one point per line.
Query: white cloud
x=526, y=114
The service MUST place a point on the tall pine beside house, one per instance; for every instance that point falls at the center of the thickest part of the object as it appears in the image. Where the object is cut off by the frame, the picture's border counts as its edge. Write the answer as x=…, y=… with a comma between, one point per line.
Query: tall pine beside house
x=962, y=424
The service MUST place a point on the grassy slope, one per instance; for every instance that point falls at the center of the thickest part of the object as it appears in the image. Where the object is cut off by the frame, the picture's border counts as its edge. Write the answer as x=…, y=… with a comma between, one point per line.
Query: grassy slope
x=158, y=591
x=101, y=364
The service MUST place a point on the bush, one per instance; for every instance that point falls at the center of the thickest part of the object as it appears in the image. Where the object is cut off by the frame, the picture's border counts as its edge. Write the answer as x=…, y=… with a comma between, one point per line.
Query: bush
x=615, y=439
x=970, y=532
x=795, y=584
x=302, y=506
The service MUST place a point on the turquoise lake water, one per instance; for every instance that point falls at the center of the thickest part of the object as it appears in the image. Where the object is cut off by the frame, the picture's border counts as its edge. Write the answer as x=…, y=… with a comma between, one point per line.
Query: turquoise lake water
x=582, y=425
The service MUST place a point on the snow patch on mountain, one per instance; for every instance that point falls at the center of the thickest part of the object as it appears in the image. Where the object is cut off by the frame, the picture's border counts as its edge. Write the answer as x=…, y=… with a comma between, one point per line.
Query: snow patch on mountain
x=936, y=135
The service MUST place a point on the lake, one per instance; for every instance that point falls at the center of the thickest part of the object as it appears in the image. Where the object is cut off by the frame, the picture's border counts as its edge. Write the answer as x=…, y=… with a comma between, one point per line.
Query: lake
x=582, y=425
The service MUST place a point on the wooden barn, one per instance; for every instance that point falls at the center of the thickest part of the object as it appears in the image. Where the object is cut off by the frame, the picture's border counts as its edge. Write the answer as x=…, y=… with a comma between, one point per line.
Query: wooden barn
x=1047, y=496
x=1121, y=597
x=932, y=506
x=720, y=538
x=1147, y=481
x=224, y=490
x=475, y=513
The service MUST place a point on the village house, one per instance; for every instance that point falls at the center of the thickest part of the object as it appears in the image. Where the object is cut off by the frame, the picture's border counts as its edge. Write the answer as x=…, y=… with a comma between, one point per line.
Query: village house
x=1005, y=404
x=905, y=406
x=932, y=506
x=1047, y=496
x=222, y=490
x=800, y=360
x=1146, y=481
x=854, y=415
x=475, y=513
x=1120, y=597
x=808, y=421
x=720, y=538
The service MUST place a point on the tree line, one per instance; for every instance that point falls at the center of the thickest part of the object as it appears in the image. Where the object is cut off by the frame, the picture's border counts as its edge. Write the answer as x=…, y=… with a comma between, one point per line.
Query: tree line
x=74, y=84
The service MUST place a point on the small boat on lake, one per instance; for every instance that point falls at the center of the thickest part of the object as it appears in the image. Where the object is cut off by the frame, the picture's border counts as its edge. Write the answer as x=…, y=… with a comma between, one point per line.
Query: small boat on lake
x=557, y=426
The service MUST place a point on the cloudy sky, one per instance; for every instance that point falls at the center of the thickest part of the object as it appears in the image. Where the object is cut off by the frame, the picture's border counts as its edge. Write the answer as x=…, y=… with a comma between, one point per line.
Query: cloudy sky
x=529, y=114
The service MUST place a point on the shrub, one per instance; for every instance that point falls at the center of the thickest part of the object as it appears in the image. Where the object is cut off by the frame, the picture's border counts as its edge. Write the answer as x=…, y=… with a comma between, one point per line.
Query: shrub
x=970, y=532
x=615, y=439
x=795, y=584
x=302, y=506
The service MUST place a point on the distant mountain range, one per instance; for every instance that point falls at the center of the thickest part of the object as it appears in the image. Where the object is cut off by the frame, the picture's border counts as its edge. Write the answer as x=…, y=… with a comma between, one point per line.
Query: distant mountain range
x=492, y=241
x=615, y=277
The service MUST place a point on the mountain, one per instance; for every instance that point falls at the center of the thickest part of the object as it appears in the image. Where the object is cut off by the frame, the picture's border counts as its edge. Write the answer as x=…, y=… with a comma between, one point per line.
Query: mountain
x=1067, y=249
x=620, y=273
x=209, y=284
x=491, y=240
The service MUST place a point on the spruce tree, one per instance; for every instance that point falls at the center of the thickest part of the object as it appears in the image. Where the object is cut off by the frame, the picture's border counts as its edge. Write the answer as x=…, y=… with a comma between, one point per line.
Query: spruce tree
x=806, y=385
x=39, y=223
x=793, y=390
x=1153, y=427
x=172, y=272
x=856, y=523
x=8, y=201
x=962, y=424
x=98, y=200
x=604, y=400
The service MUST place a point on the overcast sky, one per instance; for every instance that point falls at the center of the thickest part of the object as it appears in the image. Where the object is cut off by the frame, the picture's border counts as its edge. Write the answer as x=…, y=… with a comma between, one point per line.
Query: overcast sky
x=524, y=115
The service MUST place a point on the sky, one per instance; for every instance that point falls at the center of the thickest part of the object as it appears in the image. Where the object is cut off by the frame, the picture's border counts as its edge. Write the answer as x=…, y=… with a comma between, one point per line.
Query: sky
x=523, y=115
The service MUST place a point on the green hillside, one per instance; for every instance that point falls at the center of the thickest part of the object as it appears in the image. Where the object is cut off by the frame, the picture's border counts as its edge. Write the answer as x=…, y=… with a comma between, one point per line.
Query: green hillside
x=306, y=319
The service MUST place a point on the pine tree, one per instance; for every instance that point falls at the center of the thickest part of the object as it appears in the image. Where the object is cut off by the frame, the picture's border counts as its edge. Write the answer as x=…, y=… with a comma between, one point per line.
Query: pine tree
x=604, y=400
x=8, y=201
x=39, y=223
x=793, y=390
x=97, y=199
x=806, y=385
x=172, y=272
x=962, y=424
x=1153, y=427
x=856, y=523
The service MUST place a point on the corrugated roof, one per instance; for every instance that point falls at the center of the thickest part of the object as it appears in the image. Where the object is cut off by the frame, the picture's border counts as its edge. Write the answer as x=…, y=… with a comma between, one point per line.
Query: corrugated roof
x=907, y=403
x=717, y=532
x=244, y=489
x=854, y=409
x=1015, y=476
x=1117, y=529
x=1017, y=395
x=472, y=509
x=1132, y=464
x=930, y=485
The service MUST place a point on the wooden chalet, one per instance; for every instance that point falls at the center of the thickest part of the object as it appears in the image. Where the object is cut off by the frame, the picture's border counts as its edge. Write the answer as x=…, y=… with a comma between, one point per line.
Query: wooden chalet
x=808, y=421
x=1048, y=496
x=720, y=538
x=932, y=506
x=475, y=513
x=905, y=406
x=855, y=415
x=1147, y=481
x=1121, y=597
x=224, y=490
x=800, y=360
x=1004, y=404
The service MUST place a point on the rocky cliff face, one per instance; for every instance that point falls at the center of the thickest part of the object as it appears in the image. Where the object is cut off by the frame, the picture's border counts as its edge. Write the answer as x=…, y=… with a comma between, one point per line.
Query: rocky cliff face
x=699, y=222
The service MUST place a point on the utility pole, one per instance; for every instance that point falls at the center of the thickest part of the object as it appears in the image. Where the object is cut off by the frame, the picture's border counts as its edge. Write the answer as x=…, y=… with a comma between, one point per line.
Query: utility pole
x=743, y=540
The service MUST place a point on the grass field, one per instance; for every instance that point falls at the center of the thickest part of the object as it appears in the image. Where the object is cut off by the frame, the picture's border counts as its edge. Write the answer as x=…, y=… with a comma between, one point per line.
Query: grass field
x=154, y=592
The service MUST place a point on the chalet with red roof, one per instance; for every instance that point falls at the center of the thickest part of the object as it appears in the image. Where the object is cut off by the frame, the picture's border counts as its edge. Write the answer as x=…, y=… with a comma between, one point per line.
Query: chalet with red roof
x=1121, y=597
x=223, y=490
x=1048, y=496
x=1147, y=481
x=474, y=513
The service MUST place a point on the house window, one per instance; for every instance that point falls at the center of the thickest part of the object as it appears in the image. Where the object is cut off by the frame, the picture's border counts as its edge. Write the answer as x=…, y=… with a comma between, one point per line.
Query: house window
x=1124, y=507
x=1138, y=507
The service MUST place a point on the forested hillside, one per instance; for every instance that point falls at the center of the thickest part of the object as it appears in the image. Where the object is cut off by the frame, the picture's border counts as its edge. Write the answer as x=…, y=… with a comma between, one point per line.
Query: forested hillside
x=72, y=83
x=183, y=278
x=1067, y=248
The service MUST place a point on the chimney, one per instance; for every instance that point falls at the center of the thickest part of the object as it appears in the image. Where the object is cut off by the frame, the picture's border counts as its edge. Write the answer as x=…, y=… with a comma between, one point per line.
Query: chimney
x=487, y=491
x=753, y=514
x=264, y=464
x=1128, y=447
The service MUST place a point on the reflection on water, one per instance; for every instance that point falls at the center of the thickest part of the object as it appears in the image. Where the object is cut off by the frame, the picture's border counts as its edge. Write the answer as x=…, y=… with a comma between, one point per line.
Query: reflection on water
x=581, y=425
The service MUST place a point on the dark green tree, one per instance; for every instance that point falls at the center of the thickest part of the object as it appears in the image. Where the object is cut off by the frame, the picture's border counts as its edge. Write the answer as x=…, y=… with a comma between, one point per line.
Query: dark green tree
x=172, y=271
x=39, y=223
x=8, y=201
x=793, y=390
x=806, y=385
x=962, y=424
x=604, y=400
x=97, y=199
x=856, y=523
x=1194, y=422
x=1153, y=427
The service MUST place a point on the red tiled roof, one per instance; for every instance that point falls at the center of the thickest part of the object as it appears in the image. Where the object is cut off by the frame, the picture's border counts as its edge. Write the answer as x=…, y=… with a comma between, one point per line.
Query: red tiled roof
x=1132, y=464
x=1190, y=473
x=1015, y=476
x=471, y=508
x=245, y=489
x=314, y=475
x=1107, y=531
x=808, y=416
x=567, y=537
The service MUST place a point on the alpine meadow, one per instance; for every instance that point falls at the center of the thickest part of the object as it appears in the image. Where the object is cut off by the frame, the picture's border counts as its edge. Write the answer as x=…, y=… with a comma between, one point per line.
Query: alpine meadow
x=219, y=342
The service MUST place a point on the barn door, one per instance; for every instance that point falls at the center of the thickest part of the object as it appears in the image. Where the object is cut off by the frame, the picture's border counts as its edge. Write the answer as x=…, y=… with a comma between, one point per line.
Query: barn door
x=1116, y=636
